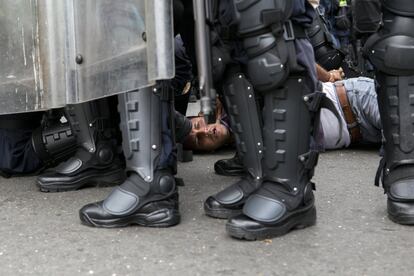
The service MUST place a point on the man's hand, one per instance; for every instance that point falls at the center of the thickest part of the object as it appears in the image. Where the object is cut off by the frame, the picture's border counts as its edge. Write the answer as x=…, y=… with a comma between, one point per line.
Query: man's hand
x=329, y=76
x=336, y=75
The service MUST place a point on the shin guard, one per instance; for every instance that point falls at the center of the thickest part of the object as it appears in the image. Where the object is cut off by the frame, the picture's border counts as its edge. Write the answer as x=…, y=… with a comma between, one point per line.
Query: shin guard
x=148, y=148
x=288, y=161
x=148, y=197
x=244, y=121
x=397, y=166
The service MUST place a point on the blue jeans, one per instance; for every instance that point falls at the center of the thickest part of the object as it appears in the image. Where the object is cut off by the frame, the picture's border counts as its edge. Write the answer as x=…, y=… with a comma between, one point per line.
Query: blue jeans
x=363, y=100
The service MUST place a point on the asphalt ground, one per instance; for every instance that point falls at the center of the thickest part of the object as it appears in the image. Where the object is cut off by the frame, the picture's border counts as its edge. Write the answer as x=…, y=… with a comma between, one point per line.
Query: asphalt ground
x=41, y=233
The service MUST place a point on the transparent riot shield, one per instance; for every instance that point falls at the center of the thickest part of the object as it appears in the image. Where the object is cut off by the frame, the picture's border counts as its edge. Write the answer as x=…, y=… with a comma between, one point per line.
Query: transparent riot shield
x=57, y=52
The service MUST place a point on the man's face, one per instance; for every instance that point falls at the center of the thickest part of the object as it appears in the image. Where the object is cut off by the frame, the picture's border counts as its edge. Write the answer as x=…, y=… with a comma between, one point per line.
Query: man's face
x=206, y=137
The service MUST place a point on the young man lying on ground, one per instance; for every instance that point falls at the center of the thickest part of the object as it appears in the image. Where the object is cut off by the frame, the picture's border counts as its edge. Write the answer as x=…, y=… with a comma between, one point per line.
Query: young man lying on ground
x=354, y=98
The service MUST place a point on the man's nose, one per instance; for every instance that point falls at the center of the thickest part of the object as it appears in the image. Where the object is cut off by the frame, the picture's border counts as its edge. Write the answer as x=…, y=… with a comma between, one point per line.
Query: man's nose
x=201, y=131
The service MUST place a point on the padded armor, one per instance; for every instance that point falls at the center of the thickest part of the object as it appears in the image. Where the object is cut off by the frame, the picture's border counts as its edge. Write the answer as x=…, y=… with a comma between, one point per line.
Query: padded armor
x=391, y=50
x=266, y=34
x=366, y=16
x=268, y=60
x=141, y=130
x=81, y=118
x=240, y=100
x=326, y=54
x=286, y=131
x=258, y=15
x=288, y=161
x=395, y=96
x=401, y=7
x=53, y=141
x=273, y=144
x=149, y=195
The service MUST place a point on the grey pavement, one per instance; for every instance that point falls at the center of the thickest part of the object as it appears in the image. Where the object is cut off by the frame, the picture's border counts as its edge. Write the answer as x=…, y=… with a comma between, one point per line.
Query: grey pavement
x=41, y=233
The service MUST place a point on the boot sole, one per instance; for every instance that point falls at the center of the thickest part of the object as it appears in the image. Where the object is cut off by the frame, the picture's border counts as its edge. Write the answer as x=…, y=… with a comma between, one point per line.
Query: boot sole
x=160, y=218
x=400, y=217
x=91, y=180
x=221, y=213
x=297, y=221
x=221, y=171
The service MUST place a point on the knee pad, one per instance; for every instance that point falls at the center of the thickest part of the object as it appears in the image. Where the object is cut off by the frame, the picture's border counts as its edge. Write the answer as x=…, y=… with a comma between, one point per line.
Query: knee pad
x=391, y=49
x=401, y=7
x=261, y=14
x=267, y=68
x=366, y=16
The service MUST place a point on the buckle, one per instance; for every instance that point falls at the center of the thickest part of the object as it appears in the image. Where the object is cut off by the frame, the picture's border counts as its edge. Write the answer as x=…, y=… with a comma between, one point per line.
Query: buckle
x=100, y=124
x=313, y=100
x=352, y=125
x=309, y=159
x=288, y=31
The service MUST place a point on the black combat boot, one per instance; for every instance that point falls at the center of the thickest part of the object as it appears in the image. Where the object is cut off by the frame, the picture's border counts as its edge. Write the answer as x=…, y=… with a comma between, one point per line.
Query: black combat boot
x=230, y=167
x=285, y=199
x=149, y=195
x=96, y=160
x=137, y=202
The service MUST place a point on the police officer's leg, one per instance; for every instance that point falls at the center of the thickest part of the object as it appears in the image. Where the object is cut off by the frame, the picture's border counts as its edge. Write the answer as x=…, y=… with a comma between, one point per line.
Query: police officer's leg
x=244, y=119
x=149, y=195
x=96, y=159
x=392, y=54
x=284, y=200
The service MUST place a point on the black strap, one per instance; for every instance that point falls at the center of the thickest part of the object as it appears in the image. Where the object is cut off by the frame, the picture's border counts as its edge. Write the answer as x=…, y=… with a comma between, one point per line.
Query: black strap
x=383, y=169
x=317, y=100
x=291, y=31
x=380, y=172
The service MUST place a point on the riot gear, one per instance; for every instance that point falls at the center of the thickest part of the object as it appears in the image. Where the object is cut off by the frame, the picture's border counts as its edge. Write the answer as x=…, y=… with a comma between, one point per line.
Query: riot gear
x=366, y=16
x=54, y=140
x=149, y=195
x=326, y=53
x=390, y=51
x=367, y=19
x=274, y=145
x=96, y=160
x=131, y=49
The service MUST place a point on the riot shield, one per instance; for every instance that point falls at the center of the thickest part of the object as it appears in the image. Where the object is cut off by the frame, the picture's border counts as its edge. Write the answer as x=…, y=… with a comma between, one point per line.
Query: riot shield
x=58, y=52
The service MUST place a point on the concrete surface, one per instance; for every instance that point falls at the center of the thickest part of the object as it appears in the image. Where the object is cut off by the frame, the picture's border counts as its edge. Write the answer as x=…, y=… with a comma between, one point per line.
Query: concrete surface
x=41, y=233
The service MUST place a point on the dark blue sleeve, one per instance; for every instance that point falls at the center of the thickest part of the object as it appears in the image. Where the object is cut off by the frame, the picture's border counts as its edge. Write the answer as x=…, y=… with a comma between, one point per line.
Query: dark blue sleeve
x=303, y=13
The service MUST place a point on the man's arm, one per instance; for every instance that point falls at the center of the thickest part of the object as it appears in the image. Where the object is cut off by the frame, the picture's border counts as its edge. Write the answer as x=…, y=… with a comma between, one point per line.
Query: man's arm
x=329, y=76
